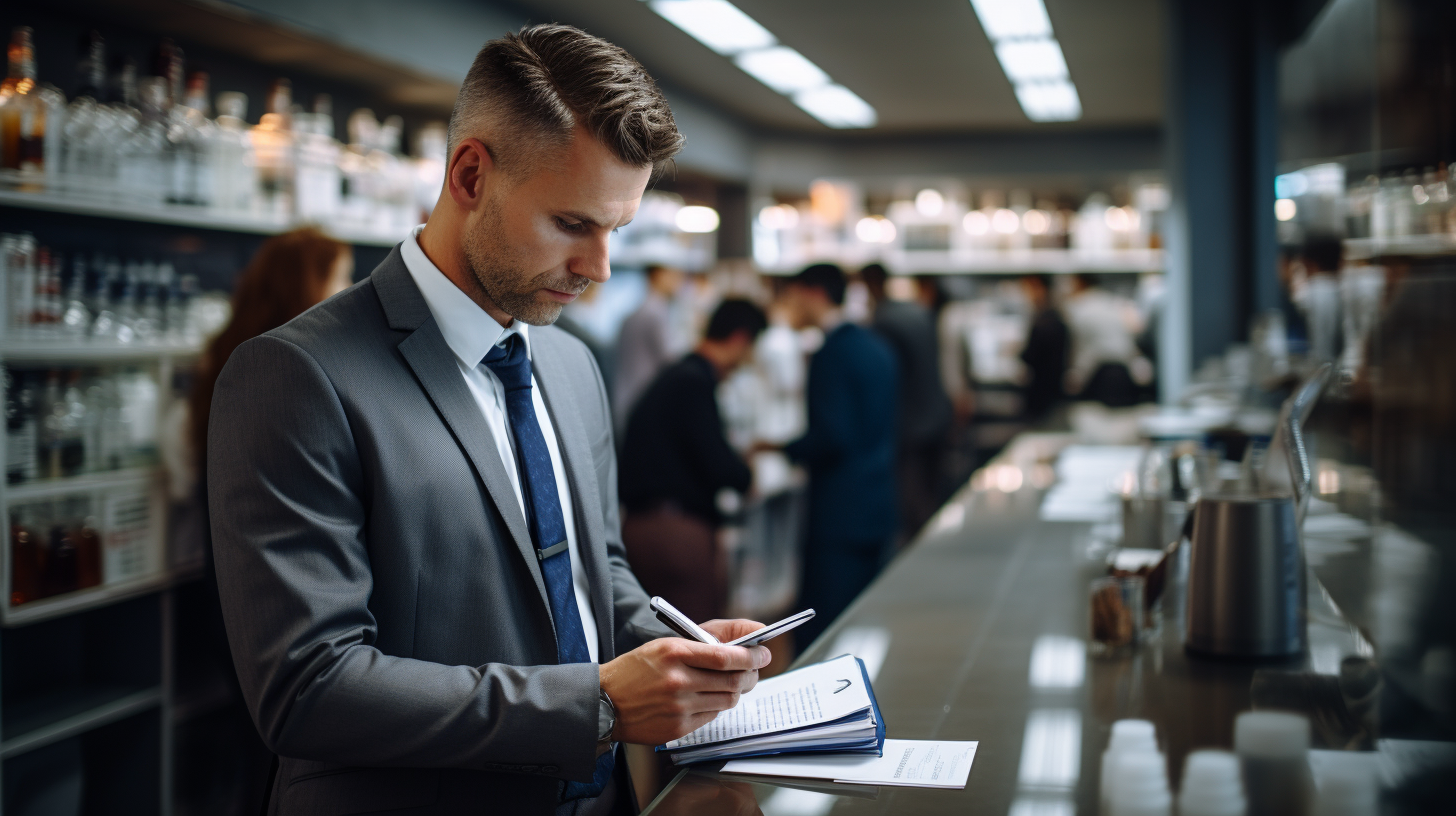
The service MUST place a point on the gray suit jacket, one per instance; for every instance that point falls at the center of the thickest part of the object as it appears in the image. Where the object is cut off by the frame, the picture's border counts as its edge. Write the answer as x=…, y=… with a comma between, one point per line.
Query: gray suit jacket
x=383, y=599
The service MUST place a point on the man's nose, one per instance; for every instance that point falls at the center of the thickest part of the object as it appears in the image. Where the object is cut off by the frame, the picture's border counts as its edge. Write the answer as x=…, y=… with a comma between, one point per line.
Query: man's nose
x=593, y=259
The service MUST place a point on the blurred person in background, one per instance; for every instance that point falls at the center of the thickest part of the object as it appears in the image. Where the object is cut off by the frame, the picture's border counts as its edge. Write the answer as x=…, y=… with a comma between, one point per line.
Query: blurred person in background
x=1107, y=366
x=676, y=460
x=1315, y=290
x=849, y=449
x=925, y=409
x=645, y=344
x=288, y=275
x=1045, y=352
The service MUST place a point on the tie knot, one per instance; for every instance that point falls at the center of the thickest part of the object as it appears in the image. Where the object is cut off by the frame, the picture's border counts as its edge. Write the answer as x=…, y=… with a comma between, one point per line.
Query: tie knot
x=510, y=363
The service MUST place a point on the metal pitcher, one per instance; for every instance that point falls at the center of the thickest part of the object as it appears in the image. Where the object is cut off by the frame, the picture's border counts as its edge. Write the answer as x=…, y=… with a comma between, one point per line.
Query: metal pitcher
x=1246, y=571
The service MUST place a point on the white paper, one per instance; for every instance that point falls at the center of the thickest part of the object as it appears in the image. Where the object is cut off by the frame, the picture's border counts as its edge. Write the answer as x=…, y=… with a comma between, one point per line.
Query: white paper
x=814, y=694
x=907, y=763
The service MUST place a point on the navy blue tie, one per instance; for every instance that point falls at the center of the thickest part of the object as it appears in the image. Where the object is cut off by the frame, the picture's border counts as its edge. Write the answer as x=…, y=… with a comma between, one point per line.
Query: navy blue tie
x=548, y=529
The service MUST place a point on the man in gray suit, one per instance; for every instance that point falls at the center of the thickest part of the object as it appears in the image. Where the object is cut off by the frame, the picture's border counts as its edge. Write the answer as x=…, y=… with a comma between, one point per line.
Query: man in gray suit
x=413, y=486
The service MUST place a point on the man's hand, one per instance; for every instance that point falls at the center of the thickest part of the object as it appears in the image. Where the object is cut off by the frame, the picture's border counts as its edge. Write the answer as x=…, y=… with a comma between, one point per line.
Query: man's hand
x=671, y=686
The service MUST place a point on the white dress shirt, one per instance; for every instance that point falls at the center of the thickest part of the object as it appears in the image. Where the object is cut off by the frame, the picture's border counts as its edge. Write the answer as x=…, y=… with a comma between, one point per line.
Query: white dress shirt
x=470, y=333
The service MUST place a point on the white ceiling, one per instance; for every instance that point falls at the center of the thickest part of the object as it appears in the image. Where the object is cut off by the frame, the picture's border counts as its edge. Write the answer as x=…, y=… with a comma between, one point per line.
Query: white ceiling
x=925, y=65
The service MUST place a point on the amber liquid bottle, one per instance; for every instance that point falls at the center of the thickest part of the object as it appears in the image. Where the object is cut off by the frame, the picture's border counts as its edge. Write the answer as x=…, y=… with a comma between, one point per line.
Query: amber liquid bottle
x=88, y=552
x=22, y=112
x=25, y=561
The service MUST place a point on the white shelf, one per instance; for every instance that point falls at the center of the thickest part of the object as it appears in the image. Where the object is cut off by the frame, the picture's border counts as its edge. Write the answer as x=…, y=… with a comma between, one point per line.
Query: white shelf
x=92, y=597
x=47, y=488
x=181, y=215
x=1359, y=249
x=57, y=716
x=1005, y=262
x=73, y=351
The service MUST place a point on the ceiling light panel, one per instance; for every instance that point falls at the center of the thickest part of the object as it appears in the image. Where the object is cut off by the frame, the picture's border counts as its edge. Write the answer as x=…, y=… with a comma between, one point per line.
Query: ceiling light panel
x=717, y=24
x=725, y=29
x=1031, y=60
x=837, y=107
x=1008, y=19
x=1021, y=33
x=1049, y=101
x=782, y=68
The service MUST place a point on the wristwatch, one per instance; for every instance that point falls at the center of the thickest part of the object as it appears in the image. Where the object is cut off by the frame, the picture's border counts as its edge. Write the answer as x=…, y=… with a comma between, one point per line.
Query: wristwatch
x=606, y=718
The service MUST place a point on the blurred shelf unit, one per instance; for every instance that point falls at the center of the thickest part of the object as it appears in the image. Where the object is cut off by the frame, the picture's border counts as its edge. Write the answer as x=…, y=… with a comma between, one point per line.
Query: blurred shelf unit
x=58, y=715
x=89, y=536
x=1004, y=262
x=185, y=216
x=1408, y=246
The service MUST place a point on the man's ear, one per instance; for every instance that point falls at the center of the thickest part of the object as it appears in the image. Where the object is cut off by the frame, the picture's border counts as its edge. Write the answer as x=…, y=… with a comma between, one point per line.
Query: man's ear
x=470, y=165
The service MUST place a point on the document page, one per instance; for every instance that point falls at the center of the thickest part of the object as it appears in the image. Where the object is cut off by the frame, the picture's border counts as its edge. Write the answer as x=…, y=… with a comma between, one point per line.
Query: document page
x=814, y=694
x=907, y=763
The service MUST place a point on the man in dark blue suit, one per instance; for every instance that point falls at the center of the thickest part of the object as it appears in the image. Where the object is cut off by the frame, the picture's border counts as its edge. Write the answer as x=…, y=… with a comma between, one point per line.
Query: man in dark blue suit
x=849, y=450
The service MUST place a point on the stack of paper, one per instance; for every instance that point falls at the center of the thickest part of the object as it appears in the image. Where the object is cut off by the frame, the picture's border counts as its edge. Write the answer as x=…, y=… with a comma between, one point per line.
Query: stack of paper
x=827, y=707
x=907, y=763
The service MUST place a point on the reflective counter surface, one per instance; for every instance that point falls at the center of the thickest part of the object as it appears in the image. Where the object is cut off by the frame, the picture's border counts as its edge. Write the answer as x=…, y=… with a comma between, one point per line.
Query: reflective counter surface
x=979, y=630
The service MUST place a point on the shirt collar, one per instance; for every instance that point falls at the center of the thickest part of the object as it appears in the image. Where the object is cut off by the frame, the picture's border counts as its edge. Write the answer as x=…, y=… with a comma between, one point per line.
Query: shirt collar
x=468, y=330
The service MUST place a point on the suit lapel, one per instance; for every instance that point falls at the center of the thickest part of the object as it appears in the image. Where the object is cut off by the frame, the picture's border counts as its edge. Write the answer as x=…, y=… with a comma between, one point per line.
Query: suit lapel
x=434, y=366
x=581, y=474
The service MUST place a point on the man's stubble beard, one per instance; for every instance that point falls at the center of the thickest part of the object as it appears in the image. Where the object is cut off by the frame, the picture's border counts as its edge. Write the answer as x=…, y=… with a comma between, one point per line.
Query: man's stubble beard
x=505, y=283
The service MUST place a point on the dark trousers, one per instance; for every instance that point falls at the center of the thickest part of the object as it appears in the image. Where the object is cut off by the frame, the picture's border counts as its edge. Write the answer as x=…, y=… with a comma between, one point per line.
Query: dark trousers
x=920, y=484
x=675, y=555
x=835, y=573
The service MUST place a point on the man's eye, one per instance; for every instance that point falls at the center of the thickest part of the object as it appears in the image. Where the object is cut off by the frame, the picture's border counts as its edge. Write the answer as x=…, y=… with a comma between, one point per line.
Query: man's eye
x=569, y=226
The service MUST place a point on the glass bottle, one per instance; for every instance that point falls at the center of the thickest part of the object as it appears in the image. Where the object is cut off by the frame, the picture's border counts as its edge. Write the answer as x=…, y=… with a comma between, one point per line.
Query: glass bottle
x=76, y=318
x=145, y=170
x=45, y=317
x=22, y=111
x=25, y=558
x=234, y=167
x=197, y=134
x=88, y=543
x=358, y=205
x=318, y=163
x=72, y=439
x=273, y=147
x=52, y=415
x=61, y=574
x=83, y=116
x=20, y=428
x=117, y=121
x=20, y=285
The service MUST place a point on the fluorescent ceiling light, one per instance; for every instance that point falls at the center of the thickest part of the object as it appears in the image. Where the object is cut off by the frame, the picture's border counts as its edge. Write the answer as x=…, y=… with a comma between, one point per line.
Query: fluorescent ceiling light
x=1049, y=101
x=837, y=107
x=717, y=24
x=1031, y=60
x=722, y=27
x=783, y=69
x=1004, y=19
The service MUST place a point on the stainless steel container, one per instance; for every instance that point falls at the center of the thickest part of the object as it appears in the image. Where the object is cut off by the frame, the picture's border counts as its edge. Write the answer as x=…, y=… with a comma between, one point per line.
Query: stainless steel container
x=1246, y=578
x=1246, y=573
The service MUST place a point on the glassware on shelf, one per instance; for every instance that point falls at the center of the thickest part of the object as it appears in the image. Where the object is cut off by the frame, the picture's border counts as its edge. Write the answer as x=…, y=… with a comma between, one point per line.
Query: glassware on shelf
x=273, y=148
x=25, y=107
x=234, y=164
x=318, y=180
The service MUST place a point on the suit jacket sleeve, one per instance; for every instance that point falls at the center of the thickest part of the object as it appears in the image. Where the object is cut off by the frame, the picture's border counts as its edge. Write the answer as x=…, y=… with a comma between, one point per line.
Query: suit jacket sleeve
x=285, y=488
x=832, y=405
x=635, y=622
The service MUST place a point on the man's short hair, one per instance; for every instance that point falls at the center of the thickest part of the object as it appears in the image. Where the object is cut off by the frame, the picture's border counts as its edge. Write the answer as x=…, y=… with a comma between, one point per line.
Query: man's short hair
x=874, y=276
x=825, y=276
x=1324, y=252
x=735, y=315
x=537, y=85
